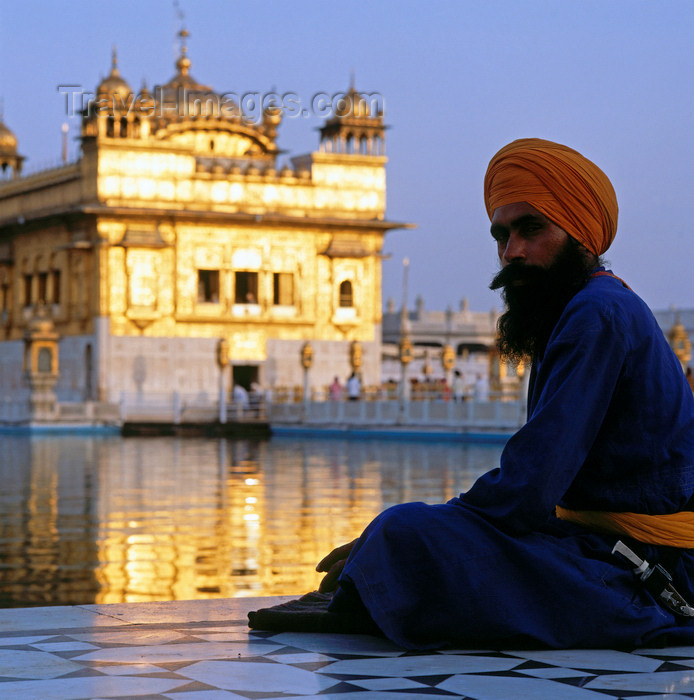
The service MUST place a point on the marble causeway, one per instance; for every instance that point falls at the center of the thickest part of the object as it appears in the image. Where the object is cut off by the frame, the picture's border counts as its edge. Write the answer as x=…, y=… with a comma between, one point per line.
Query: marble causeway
x=202, y=650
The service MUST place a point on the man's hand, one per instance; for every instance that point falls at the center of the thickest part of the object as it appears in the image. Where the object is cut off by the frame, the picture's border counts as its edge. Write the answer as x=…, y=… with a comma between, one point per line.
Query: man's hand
x=333, y=565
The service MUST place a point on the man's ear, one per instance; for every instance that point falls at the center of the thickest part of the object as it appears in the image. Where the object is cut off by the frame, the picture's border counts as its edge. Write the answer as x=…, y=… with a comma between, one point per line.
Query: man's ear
x=592, y=260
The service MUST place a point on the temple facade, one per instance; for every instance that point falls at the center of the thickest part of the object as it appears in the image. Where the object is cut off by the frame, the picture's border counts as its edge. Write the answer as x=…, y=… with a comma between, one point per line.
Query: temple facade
x=178, y=241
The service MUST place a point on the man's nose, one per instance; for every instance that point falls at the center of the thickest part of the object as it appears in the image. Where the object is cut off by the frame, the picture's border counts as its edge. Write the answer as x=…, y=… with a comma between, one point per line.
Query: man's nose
x=514, y=249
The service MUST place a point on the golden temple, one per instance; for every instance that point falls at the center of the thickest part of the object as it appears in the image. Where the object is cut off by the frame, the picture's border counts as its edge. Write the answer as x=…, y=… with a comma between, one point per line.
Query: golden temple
x=176, y=230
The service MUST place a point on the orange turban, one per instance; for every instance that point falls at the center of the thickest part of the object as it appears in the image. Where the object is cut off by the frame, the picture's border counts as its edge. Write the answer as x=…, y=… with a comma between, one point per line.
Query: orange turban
x=559, y=182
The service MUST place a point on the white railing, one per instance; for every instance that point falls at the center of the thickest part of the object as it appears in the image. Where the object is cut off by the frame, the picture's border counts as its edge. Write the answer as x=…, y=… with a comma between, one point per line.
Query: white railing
x=283, y=409
x=176, y=407
x=386, y=392
x=18, y=412
x=428, y=414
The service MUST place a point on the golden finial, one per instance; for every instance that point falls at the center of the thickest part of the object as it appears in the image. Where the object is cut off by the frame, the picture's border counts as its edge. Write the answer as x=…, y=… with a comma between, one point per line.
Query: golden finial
x=183, y=63
x=114, y=61
x=183, y=35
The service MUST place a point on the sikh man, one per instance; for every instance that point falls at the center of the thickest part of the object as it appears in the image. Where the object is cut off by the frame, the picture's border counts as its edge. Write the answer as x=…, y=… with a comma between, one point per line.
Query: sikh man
x=567, y=542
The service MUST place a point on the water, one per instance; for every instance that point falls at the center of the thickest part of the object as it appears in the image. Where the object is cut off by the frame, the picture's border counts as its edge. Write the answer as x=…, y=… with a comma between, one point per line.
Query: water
x=105, y=519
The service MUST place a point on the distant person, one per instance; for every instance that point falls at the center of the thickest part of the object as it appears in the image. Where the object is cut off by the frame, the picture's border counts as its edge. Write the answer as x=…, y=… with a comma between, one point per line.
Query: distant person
x=482, y=388
x=256, y=397
x=353, y=387
x=458, y=385
x=335, y=390
x=240, y=397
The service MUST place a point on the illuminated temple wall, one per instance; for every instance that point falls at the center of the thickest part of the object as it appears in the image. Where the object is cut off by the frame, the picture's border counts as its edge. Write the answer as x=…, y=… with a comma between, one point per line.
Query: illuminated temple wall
x=171, y=233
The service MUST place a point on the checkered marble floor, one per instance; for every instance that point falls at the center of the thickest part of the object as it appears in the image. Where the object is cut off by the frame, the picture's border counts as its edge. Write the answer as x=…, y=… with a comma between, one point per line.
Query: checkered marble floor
x=202, y=650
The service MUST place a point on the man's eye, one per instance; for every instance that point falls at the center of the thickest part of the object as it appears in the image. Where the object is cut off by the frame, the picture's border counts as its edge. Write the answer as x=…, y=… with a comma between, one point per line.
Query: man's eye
x=532, y=228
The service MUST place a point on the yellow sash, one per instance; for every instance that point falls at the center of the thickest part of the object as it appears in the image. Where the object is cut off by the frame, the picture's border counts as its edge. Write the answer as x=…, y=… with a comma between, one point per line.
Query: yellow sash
x=672, y=529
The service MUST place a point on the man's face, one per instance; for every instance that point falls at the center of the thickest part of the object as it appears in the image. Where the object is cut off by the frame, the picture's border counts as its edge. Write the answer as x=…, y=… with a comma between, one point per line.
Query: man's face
x=525, y=236
x=542, y=268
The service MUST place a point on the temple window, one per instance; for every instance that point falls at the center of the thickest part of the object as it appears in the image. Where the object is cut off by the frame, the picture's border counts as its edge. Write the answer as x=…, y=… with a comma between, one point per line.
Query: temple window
x=43, y=287
x=55, y=287
x=246, y=284
x=27, y=290
x=346, y=296
x=208, y=286
x=283, y=289
x=110, y=127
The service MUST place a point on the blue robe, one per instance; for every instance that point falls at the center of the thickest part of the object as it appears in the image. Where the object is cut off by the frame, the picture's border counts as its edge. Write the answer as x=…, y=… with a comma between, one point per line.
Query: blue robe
x=610, y=427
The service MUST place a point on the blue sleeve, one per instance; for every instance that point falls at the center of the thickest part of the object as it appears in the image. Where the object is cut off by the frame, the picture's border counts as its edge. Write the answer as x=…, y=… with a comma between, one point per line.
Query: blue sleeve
x=570, y=397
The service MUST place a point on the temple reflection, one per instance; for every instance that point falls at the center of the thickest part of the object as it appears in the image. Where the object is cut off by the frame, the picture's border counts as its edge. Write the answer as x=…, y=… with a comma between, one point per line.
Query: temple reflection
x=107, y=519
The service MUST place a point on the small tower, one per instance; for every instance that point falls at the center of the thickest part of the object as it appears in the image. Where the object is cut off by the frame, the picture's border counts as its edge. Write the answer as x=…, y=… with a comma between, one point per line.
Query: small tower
x=353, y=130
x=112, y=113
x=679, y=341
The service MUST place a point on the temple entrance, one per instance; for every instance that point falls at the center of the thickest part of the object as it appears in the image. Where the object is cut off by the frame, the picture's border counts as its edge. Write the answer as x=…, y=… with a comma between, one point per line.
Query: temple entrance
x=245, y=375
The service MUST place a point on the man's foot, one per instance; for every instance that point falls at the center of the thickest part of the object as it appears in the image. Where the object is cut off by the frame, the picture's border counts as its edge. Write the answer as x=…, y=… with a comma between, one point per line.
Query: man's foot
x=309, y=614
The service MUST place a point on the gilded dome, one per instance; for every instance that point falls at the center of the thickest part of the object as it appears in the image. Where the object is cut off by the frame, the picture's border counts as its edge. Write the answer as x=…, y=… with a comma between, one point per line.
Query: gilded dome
x=114, y=84
x=183, y=97
x=8, y=141
x=352, y=105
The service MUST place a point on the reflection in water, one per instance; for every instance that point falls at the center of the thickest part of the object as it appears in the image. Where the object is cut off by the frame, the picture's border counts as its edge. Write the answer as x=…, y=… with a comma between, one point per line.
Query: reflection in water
x=101, y=519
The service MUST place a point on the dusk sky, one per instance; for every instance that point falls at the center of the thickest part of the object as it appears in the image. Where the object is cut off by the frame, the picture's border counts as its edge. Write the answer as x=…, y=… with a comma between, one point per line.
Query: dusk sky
x=613, y=79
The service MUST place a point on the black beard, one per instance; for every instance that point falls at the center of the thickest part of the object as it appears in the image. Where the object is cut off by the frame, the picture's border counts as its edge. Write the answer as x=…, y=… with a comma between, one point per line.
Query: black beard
x=535, y=298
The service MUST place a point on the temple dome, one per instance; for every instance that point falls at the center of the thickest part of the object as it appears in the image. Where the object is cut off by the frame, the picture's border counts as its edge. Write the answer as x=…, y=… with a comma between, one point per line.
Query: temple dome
x=352, y=105
x=183, y=78
x=184, y=97
x=8, y=141
x=9, y=158
x=114, y=84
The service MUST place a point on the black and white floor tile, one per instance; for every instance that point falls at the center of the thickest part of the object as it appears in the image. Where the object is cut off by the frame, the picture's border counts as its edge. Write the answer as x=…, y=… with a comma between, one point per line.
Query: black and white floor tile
x=202, y=650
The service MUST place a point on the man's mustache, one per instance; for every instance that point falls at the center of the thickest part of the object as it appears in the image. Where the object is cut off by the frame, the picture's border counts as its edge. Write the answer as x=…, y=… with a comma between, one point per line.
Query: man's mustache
x=518, y=274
